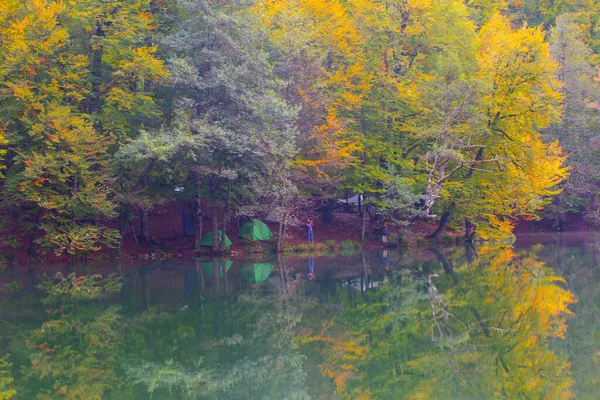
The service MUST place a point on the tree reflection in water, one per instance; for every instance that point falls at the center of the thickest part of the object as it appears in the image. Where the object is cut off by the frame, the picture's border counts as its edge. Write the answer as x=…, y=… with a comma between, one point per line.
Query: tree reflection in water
x=468, y=331
x=443, y=324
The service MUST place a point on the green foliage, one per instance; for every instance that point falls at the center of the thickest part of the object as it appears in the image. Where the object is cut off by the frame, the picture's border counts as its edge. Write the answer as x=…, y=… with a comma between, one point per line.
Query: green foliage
x=7, y=390
x=399, y=199
x=331, y=245
x=348, y=245
x=578, y=129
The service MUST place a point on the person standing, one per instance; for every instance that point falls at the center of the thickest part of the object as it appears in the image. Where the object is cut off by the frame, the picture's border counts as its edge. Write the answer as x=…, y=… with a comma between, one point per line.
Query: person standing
x=384, y=233
x=309, y=230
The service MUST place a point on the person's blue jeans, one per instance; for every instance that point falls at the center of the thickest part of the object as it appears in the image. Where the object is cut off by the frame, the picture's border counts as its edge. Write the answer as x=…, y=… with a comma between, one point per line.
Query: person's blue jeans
x=310, y=235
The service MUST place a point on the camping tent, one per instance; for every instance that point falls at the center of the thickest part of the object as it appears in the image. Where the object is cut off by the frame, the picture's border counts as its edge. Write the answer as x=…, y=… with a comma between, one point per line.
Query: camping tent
x=207, y=239
x=255, y=230
x=208, y=267
x=352, y=200
x=274, y=216
x=257, y=273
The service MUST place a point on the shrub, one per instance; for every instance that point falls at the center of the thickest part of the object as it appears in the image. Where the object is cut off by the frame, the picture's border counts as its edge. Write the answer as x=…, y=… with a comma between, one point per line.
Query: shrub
x=349, y=245
x=330, y=244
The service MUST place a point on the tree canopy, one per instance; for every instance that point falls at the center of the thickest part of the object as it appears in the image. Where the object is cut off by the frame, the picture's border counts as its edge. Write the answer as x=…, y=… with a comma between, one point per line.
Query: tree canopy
x=449, y=110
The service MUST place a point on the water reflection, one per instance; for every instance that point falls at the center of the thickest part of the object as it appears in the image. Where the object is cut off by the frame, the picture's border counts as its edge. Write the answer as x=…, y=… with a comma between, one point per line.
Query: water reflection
x=444, y=323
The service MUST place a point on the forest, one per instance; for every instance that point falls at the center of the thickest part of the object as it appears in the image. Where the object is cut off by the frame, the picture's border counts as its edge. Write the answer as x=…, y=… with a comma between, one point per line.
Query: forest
x=476, y=112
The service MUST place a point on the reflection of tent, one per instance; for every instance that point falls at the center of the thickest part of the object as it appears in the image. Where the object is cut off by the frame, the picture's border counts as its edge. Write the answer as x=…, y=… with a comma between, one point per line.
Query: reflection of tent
x=257, y=273
x=207, y=240
x=255, y=230
x=208, y=267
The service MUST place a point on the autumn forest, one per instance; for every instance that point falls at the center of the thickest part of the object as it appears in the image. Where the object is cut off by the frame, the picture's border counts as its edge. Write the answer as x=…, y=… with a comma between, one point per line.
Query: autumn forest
x=445, y=111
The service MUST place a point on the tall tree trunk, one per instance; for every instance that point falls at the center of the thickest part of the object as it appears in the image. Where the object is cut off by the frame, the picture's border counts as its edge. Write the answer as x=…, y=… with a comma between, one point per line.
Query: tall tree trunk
x=442, y=226
x=124, y=221
x=280, y=236
x=364, y=223
x=283, y=220
x=360, y=205
x=215, y=214
x=197, y=209
x=327, y=211
x=144, y=236
x=434, y=183
x=96, y=70
x=478, y=157
x=225, y=218
x=470, y=229
x=215, y=229
x=33, y=246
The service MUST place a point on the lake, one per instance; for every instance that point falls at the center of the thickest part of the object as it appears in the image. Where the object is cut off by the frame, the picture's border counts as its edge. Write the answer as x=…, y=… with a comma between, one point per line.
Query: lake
x=495, y=321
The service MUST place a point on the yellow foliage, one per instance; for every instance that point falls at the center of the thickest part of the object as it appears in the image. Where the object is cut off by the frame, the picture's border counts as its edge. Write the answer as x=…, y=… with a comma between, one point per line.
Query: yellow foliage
x=333, y=93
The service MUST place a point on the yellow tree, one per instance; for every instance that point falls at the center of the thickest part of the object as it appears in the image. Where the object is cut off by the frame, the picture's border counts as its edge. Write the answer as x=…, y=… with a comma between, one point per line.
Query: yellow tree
x=73, y=75
x=520, y=97
x=324, y=61
x=484, y=154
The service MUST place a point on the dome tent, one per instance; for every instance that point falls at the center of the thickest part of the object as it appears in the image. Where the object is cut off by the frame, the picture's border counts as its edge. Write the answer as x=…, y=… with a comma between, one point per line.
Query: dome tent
x=255, y=230
x=207, y=240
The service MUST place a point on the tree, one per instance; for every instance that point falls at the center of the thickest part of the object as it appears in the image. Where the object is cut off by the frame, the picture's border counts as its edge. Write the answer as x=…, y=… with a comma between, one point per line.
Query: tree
x=512, y=173
x=577, y=130
x=231, y=101
x=64, y=108
x=328, y=76
x=146, y=170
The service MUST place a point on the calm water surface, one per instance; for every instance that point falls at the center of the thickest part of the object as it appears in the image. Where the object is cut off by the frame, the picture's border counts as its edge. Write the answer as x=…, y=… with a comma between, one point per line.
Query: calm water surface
x=510, y=322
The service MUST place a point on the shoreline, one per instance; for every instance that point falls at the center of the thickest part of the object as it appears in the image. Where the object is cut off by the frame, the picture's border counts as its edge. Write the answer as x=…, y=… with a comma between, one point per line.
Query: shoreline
x=171, y=243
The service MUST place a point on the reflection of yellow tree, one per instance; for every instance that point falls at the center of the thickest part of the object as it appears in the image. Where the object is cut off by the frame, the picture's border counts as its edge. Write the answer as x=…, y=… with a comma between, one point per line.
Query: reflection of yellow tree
x=483, y=334
x=73, y=355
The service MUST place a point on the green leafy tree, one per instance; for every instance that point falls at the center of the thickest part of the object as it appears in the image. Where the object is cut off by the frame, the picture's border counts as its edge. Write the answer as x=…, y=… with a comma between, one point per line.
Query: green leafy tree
x=231, y=102
x=577, y=132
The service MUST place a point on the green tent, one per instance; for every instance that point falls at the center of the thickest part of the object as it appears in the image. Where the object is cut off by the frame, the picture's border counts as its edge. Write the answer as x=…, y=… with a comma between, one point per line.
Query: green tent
x=207, y=266
x=207, y=240
x=257, y=273
x=255, y=230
